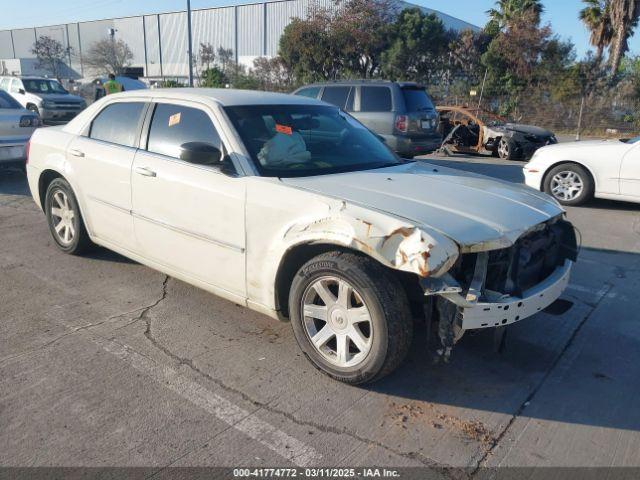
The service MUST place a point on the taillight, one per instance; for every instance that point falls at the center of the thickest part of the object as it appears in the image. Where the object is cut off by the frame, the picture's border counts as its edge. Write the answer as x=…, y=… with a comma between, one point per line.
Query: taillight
x=401, y=123
x=27, y=148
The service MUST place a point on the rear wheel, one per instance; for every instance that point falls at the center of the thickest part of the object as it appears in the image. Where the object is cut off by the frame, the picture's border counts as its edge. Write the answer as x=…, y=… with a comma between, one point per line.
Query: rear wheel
x=570, y=184
x=64, y=218
x=350, y=317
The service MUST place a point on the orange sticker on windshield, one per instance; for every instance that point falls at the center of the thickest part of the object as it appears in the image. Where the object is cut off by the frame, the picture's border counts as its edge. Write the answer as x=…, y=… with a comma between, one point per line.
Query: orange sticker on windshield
x=283, y=129
x=174, y=119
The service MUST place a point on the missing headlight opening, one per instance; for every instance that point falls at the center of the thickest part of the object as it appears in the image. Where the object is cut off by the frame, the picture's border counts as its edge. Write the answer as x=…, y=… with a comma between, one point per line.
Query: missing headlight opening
x=500, y=287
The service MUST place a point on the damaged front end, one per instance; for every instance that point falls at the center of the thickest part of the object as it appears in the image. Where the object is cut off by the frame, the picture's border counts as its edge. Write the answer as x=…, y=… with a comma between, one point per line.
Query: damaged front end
x=496, y=288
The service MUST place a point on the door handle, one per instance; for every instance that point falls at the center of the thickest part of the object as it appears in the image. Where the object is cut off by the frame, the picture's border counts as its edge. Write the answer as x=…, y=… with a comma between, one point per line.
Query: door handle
x=76, y=153
x=144, y=171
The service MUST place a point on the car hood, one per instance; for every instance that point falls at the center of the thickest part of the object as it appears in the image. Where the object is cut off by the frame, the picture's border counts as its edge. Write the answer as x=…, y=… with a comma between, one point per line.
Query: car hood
x=477, y=212
x=60, y=97
x=528, y=129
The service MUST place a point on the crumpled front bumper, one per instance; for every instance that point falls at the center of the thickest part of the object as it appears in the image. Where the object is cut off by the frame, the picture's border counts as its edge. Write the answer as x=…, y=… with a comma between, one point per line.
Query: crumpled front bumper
x=508, y=310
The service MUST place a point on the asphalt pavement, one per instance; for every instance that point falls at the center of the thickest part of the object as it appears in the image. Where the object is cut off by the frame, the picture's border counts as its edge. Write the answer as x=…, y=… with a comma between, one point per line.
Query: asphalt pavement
x=105, y=362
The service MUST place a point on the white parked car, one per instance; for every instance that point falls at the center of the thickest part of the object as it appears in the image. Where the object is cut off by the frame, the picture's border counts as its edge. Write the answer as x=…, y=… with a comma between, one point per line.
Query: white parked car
x=291, y=207
x=576, y=172
x=16, y=126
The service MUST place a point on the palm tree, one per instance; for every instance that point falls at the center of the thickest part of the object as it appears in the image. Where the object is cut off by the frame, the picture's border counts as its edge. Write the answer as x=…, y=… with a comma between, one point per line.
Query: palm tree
x=596, y=16
x=624, y=17
x=509, y=10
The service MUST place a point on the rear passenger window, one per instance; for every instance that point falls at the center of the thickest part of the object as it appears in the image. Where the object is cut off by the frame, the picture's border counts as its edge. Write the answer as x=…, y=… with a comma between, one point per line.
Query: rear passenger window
x=4, y=84
x=118, y=123
x=311, y=92
x=336, y=96
x=375, y=99
x=174, y=125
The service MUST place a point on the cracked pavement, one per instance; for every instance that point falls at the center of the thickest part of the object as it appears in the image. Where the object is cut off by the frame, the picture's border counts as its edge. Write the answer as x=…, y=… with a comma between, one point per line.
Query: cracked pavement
x=104, y=362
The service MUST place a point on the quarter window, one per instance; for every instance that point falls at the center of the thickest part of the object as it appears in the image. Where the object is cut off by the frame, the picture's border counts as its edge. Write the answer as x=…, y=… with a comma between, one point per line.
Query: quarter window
x=15, y=86
x=118, y=123
x=375, y=99
x=336, y=96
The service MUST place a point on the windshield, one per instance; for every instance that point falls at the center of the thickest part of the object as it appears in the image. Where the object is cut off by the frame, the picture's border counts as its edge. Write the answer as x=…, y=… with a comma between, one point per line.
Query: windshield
x=7, y=101
x=302, y=140
x=43, y=86
x=416, y=99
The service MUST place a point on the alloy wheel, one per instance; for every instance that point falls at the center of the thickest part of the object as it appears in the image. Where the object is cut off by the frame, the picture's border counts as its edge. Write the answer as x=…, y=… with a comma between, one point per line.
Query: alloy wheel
x=63, y=217
x=503, y=149
x=337, y=321
x=567, y=185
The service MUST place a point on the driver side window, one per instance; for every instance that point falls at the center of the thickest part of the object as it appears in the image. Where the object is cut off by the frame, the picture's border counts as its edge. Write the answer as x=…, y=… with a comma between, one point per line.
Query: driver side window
x=175, y=125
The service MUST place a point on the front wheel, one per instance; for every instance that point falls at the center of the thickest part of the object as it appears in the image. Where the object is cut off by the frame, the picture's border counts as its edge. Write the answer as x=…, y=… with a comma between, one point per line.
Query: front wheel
x=64, y=218
x=507, y=149
x=570, y=184
x=350, y=317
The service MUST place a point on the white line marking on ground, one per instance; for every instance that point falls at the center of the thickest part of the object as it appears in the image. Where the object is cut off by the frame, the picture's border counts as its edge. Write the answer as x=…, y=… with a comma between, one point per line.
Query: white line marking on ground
x=246, y=422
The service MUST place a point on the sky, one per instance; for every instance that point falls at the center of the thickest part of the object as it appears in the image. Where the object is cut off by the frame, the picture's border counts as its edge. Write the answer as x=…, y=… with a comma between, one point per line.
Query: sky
x=561, y=14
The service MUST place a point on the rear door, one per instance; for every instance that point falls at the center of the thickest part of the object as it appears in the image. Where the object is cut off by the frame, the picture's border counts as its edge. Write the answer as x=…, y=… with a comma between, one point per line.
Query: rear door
x=375, y=108
x=189, y=217
x=102, y=159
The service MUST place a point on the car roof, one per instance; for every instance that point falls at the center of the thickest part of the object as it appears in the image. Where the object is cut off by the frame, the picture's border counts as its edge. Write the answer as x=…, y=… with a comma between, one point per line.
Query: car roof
x=362, y=82
x=223, y=96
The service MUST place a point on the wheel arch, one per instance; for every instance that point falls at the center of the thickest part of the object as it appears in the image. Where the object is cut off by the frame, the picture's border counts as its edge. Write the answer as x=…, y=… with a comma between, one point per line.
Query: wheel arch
x=297, y=255
x=46, y=177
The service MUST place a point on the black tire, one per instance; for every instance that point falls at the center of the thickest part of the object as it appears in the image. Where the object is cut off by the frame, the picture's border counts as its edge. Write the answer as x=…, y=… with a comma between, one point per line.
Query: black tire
x=80, y=241
x=588, y=188
x=507, y=149
x=391, y=323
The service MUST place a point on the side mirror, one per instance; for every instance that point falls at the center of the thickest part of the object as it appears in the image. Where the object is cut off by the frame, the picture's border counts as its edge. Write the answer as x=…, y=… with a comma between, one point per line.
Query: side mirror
x=200, y=153
x=21, y=91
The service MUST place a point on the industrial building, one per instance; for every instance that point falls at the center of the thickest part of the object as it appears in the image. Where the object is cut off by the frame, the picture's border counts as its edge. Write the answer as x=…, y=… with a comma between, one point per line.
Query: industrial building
x=159, y=41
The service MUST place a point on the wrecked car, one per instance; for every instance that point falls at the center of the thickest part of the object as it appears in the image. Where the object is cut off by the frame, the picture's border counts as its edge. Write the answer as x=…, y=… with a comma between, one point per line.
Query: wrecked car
x=473, y=130
x=294, y=209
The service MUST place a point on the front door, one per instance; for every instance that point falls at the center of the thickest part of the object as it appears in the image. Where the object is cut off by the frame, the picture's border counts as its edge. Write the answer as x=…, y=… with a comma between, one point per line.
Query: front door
x=187, y=216
x=630, y=172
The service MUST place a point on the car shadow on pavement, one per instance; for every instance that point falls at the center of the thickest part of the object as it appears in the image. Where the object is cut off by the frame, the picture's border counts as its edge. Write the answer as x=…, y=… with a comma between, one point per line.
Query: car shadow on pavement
x=13, y=181
x=580, y=368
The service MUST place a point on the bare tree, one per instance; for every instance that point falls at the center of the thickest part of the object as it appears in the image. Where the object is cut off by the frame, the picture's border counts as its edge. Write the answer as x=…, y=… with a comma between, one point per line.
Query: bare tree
x=50, y=54
x=108, y=56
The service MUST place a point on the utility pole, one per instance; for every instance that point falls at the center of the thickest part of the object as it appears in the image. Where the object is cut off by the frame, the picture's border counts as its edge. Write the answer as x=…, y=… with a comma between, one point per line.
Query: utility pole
x=580, y=119
x=190, y=53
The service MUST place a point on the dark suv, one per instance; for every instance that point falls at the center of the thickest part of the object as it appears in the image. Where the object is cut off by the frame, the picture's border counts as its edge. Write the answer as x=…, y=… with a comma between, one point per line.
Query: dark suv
x=400, y=112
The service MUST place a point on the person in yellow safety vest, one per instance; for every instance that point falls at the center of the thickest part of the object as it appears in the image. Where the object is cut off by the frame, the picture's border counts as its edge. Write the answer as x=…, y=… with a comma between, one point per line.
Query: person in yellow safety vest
x=111, y=86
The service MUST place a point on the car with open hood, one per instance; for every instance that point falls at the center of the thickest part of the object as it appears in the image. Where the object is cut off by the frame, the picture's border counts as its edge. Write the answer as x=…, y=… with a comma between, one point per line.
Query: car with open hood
x=293, y=208
x=474, y=130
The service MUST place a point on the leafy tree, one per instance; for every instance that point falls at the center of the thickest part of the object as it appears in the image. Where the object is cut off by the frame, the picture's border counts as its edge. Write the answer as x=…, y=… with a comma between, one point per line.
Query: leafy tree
x=109, y=56
x=466, y=51
x=624, y=18
x=419, y=46
x=213, y=77
x=596, y=17
x=272, y=74
x=50, y=54
x=509, y=11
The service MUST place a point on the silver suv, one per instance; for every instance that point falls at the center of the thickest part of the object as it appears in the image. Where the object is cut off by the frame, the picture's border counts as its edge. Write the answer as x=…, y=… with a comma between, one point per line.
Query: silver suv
x=44, y=96
x=400, y=112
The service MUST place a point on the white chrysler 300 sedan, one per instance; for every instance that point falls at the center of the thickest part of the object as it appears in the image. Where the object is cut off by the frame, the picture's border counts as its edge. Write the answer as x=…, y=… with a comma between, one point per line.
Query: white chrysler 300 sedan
x=291, y=207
